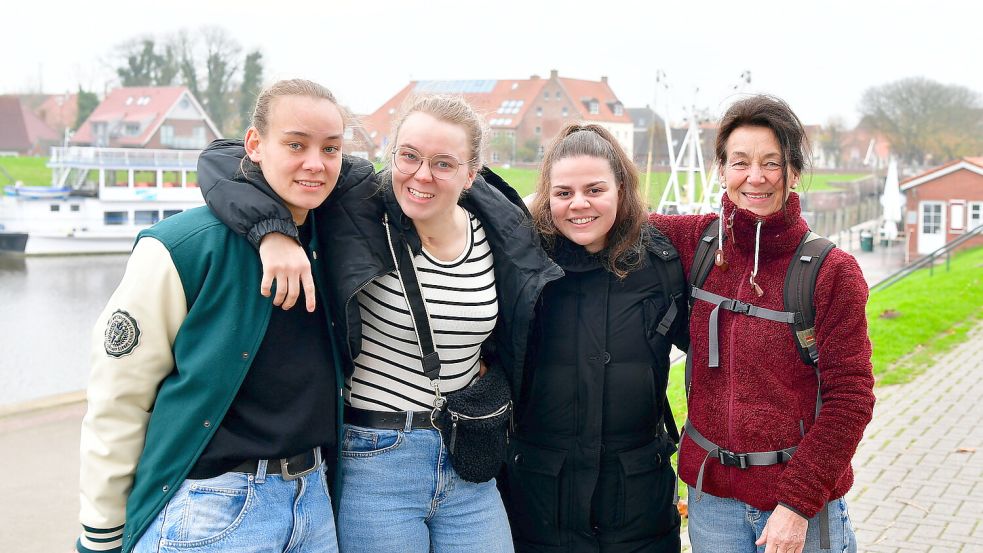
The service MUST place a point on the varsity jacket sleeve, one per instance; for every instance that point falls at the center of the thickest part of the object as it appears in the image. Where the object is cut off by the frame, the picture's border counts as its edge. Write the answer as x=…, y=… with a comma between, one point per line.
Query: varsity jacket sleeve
x=131, y=355
x=247, y=205
x=846, y=387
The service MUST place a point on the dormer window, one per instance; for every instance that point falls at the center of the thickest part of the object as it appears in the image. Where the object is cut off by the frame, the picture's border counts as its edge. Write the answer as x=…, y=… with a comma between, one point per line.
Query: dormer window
x=595, y=107
x=619, y=110
x=129, y=100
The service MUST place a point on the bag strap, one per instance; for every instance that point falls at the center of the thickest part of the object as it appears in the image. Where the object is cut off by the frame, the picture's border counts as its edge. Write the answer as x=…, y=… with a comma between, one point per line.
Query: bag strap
x=800, y=285
x=406, y=272
x=703, y=258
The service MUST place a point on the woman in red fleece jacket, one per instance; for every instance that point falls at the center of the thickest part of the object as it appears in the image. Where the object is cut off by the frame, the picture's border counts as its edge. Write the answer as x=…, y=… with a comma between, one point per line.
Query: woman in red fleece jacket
x=761, y=397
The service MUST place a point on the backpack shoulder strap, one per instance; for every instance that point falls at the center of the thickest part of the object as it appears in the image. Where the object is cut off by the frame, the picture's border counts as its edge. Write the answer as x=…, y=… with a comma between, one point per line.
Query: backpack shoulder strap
x=703, y=258
x=665, y=260
x=800, y=284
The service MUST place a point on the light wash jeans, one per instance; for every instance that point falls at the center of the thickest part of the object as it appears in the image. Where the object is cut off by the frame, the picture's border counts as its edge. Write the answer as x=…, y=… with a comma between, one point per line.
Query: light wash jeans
x=722, y=525
x=400, y=494
x=245, y=513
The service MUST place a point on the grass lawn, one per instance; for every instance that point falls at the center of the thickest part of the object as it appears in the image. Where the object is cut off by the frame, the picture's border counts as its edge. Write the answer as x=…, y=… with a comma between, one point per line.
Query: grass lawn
x=29, y=170
x=927, y=315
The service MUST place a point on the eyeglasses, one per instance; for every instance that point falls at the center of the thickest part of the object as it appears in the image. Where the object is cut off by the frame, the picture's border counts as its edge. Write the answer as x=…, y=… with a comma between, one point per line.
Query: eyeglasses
x=442, y=166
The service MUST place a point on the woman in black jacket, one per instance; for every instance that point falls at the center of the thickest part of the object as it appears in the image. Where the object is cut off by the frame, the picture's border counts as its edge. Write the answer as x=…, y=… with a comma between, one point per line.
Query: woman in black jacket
x=588, y=469
x=480, y=268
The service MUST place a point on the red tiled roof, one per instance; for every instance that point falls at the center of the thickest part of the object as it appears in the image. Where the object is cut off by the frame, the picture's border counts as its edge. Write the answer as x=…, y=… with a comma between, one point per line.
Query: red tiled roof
x=504, y=102
x=582, y=92
x=941, y=170
x=145, y=106
x=20, y=128
x=59, y=111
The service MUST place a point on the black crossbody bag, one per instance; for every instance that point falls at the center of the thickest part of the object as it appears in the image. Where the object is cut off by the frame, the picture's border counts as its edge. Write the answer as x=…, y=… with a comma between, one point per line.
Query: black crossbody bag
x=473, y=421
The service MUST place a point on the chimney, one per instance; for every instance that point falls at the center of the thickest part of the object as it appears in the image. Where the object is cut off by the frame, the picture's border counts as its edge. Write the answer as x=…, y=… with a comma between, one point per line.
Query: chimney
x=604, y=79
x=533, y=77
x=554, y=73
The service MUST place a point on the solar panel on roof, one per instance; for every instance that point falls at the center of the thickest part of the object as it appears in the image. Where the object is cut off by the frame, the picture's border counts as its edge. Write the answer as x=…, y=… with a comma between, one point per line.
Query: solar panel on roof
x=456, y=87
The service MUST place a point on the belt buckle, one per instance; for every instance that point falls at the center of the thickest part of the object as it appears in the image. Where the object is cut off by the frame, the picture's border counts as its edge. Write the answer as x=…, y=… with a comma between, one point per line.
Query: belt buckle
x=285, y=467
x=731, y=459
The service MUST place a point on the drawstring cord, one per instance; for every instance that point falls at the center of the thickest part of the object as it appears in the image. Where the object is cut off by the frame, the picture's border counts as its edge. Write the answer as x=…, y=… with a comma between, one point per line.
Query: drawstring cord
x=718, y=257
x=757, y=247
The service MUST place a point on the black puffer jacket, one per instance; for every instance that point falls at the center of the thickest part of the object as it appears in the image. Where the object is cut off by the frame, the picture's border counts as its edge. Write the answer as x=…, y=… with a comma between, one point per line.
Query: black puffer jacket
x=588, y=470
x=352, y=235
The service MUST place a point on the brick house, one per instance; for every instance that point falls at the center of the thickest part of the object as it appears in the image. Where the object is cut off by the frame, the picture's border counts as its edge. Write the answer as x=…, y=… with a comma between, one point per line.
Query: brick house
x=59, y=111
x=523, y=115
x=942, y=204
x=148, y=117
x=22, y=132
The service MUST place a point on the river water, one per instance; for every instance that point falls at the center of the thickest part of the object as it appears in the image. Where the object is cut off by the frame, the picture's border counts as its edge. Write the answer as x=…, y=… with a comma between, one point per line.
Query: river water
x=48, y=306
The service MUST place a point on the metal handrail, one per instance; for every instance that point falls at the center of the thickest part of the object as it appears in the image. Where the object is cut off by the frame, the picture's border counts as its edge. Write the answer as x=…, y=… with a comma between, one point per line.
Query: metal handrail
x=927, y=259
x=76, y=156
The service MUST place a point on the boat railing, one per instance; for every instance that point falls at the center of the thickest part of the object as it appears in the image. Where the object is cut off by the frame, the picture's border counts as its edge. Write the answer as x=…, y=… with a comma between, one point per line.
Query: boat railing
x=123, y=158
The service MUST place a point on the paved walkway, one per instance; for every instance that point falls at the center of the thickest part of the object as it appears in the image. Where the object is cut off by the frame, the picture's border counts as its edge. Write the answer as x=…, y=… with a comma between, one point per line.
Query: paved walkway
x=919, y=469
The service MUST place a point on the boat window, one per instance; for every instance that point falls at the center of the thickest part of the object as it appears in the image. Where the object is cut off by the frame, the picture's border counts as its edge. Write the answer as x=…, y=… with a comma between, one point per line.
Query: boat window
x=115, y=217
x=145, y=217
x=55, y=208
x=75, y=207
x=169, y=212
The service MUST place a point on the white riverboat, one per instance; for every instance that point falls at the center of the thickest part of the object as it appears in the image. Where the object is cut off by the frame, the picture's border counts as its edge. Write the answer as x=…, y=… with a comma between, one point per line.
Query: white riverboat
x=99, y=200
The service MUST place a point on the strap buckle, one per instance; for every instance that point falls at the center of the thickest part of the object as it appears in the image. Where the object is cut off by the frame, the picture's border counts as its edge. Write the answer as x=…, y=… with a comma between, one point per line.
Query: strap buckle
x=285, y=466
x=739, y=306
x=731, y=459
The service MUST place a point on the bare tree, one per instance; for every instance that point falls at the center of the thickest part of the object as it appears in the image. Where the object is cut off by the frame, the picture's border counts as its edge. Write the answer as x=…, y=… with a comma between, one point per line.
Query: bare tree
x=831, y=141
x=924, y=120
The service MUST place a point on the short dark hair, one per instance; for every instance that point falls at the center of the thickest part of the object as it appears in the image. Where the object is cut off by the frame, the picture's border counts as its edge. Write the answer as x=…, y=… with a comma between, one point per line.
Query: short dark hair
x=772, y=113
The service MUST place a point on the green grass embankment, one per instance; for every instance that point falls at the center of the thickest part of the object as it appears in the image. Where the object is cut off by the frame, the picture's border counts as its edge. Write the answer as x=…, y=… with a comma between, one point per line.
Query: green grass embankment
x=32, y=171
x=924, y=315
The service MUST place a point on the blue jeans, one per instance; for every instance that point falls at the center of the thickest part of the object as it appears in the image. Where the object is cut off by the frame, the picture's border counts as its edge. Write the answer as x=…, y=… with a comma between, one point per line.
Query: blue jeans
x=399, y=493
x=729, y=526
x=245, y=513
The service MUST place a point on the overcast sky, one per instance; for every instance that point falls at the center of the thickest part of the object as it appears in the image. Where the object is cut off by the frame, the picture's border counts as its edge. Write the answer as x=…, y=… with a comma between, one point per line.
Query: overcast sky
x=819, y=56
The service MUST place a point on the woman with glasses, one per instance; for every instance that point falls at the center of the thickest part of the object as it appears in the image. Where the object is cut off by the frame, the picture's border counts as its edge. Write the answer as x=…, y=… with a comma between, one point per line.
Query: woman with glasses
x=480, y=270
x=767, y=447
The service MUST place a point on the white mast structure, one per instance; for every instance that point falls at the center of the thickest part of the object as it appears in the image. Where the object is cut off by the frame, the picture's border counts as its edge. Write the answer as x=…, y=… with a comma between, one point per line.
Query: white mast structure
x=692, y=149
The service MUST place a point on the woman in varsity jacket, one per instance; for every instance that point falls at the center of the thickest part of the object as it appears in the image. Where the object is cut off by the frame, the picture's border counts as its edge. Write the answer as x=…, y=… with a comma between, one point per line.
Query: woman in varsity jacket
x=480, y=269
x=589, y=466
x=211, y=416
x=764, y=466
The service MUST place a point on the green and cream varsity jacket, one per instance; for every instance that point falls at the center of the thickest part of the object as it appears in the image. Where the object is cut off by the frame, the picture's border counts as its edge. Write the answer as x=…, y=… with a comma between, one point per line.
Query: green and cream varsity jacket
x=170, y=351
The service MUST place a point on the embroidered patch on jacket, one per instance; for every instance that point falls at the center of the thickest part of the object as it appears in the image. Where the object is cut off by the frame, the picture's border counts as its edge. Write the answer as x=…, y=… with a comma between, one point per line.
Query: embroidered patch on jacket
x=122, y=334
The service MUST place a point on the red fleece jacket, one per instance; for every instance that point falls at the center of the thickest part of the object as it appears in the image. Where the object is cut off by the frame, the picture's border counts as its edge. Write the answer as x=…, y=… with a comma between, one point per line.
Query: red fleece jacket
x=762, y=390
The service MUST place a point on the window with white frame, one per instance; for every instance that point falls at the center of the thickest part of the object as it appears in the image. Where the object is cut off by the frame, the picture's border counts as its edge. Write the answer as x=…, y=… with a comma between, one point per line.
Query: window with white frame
x=595, y=107
x=975, y=215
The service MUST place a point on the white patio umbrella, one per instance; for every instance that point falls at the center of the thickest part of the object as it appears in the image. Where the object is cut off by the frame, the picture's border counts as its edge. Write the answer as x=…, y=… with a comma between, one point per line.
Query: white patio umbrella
x=891, y=202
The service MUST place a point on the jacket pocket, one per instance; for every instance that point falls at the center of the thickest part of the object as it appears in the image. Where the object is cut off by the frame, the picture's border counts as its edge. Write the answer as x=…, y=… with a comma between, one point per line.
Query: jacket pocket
x=534, y=492
x=646, y=487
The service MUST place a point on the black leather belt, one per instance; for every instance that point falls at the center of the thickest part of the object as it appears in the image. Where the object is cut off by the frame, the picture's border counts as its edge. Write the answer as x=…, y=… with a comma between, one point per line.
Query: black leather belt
x=389, y=420
x=290, y=468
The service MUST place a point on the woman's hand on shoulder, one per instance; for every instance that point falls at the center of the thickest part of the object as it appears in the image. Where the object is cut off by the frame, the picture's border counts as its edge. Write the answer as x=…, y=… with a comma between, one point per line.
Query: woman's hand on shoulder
x=286, y=263
x=785, y=532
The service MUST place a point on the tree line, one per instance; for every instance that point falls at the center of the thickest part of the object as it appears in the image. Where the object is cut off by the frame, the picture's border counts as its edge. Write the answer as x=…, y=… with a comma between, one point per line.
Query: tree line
x=212, y=64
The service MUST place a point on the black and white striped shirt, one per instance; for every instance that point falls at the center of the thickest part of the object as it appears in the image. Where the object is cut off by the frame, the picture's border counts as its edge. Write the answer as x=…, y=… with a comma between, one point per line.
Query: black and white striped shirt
x=463, y=306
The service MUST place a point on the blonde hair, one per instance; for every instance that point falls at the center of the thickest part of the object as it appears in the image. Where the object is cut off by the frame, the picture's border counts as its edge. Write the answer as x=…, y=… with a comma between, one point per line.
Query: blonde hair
x=451, y=109
x=623, y=247
x=288, y=87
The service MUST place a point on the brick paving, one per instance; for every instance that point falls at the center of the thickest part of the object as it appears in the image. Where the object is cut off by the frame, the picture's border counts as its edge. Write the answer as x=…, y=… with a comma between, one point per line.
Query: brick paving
x=919, y=469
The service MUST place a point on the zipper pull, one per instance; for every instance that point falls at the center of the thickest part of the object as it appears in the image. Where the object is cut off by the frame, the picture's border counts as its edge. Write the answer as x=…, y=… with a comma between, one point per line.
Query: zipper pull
x=450, y=447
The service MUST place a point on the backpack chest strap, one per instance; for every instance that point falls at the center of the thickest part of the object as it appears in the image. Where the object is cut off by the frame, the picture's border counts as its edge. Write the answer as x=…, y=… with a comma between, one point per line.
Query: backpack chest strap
x=735, y=306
